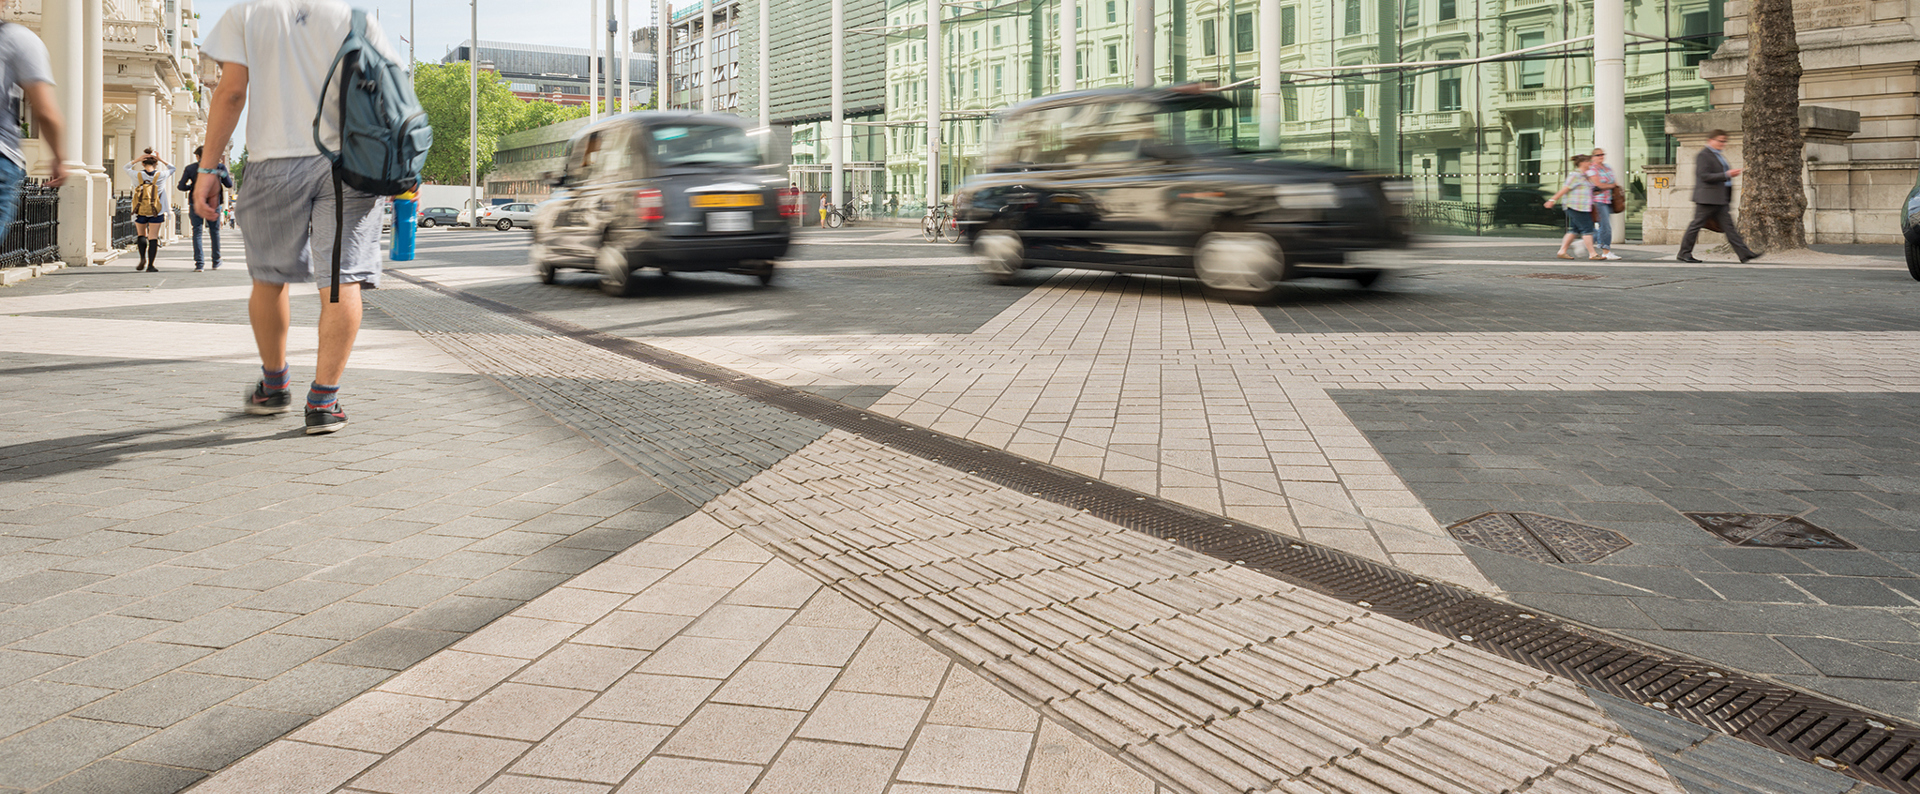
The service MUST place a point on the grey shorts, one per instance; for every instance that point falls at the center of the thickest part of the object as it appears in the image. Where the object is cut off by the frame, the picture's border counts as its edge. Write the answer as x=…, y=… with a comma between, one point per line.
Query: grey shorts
x=285, y=216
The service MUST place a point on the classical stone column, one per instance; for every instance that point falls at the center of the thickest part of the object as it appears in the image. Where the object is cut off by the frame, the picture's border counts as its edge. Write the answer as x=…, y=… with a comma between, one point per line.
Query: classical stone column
x=64, y=32
x=122, y=153
x=93, y=118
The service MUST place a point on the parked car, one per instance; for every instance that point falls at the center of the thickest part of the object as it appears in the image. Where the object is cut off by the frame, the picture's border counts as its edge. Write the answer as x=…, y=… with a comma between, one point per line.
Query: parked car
x=386, y=215
x=1147, y=181
x=438, y=216
x=1910, y=230
x=1522, y=205
x=507, y=216
x=678, y=191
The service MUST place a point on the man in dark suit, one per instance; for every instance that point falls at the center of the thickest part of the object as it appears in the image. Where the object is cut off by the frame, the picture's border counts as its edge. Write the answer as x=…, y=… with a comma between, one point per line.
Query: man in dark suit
x=1712, y=198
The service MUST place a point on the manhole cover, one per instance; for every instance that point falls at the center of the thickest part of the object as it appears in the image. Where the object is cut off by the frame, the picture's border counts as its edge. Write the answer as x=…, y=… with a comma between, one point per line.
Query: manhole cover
x=1563, y=276
x=1538, y=538
x=1767, y=531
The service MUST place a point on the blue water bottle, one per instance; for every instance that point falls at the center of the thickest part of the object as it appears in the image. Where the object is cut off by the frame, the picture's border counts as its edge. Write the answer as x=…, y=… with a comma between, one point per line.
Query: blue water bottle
x=406, y=211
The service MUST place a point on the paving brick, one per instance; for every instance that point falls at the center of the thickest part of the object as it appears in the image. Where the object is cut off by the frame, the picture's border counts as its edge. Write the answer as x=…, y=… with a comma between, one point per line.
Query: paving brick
x=704, y=657
x=860, y=718
x=595, y=750
x=742, y=734
x=124, y=777
x=212, y=739
x=165, y=700
x=37, y=757
x=440, y=763
x=661, y=775
x=971, y=757
x=391, y=648
x=576, y=666
x=312, y=688
x=126, y=665
x=376, y=722
x=263, y=656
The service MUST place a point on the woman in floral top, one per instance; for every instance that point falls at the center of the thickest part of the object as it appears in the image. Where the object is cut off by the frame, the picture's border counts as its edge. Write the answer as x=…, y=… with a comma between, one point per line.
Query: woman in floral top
x=1604, y=183
x=1579, y=209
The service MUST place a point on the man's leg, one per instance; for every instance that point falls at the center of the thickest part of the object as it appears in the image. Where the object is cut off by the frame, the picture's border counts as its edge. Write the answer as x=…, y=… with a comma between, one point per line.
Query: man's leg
x=199, y=259
x=213, y=231
x=1734, y=239
x=269, y=313
x=1603, y=227
x=1701, y=212
x=339, y=325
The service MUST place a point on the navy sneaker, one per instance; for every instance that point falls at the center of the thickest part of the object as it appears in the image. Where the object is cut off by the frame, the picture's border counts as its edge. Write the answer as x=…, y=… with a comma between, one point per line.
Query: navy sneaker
x=261, y=402
x=325, y=420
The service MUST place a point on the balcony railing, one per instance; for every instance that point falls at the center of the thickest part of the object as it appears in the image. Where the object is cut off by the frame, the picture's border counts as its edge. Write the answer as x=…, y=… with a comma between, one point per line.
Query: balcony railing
x=34, y=237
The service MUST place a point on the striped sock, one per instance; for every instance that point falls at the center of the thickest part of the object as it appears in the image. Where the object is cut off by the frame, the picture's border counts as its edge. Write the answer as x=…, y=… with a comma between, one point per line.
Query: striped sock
x=275, y=379
x=321, y=397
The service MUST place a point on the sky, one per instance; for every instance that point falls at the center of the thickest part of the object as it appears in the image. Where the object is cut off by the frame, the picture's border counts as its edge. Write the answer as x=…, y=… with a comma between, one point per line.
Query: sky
x=441, y=25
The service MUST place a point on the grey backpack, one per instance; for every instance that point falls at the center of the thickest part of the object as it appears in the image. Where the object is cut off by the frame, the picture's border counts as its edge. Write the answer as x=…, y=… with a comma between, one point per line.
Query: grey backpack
x=384, y=134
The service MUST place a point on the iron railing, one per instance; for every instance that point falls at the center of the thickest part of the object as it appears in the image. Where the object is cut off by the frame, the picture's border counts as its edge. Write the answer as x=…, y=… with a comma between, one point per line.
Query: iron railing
x=123, y=229
x=34, y=236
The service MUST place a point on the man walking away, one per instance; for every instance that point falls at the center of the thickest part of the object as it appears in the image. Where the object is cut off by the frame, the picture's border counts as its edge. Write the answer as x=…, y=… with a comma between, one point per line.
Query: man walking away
x=23, y=63
x=281, y=50
x=188, y=176
x=1712, y=197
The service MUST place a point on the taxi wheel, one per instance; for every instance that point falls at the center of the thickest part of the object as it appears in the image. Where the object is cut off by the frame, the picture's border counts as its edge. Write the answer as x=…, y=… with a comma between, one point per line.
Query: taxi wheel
x=504, y=224
x=426, y=223
x=764, y=272
x=1240, y=267
x=617, y=277
x=537, y=256
x=999, y=253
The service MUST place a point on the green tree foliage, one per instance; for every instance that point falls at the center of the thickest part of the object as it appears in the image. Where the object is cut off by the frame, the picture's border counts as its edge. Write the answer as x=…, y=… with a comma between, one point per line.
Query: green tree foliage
x=238, y=167
x=442, y=89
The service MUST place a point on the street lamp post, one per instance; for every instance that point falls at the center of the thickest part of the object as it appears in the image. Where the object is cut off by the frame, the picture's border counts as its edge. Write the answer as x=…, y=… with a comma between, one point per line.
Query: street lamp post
x=836, y=142
x=626, y=56
x=593, y=61
x=473, y=113
x=1069, y=45
x=934, y=8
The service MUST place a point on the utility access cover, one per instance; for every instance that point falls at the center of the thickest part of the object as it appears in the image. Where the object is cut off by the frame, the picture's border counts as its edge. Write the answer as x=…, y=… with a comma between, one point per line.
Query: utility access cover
x=1538, y=538
x=1768, y=531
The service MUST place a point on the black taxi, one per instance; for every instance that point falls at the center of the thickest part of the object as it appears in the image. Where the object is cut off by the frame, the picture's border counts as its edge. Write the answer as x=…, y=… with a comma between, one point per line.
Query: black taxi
x=1148, y=181
x=677, y=191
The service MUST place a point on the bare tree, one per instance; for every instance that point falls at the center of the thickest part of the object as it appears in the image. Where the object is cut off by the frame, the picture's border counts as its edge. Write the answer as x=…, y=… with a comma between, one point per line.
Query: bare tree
x=1773, y=201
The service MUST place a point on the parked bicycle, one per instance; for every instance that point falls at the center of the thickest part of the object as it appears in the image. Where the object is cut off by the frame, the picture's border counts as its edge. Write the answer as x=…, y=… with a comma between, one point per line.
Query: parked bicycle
x=838, y=216
x=938, y=223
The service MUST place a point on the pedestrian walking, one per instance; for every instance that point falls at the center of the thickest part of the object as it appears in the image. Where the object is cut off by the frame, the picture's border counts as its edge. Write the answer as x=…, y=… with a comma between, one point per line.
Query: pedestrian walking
x=1579, y=209
x=1606, y=189
x=1713, y=200
x=188, y=176
x=280, y=53
x=150, y=173
x=24, y=63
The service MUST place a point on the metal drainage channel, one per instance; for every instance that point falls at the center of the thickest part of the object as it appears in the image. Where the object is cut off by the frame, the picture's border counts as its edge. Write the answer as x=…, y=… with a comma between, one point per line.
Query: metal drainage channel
x=1867, y=747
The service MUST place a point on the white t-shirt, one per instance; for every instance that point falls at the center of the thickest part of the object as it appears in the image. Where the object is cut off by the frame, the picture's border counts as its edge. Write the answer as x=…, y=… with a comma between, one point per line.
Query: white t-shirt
x=287, y=47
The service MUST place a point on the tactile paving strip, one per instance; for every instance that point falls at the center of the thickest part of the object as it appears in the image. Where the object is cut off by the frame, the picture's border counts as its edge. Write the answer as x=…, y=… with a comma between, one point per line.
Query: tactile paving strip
x=1868, y=747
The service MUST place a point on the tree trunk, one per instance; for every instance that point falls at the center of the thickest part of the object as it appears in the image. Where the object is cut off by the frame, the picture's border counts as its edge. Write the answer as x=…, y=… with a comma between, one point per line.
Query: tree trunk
x=1773, y=200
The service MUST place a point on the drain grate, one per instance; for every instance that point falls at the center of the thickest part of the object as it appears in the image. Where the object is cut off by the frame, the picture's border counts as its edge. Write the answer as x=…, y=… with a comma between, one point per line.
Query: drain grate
x=1539, y=538
x=1762, y=530
x=1868, y=747
x=1562, y=276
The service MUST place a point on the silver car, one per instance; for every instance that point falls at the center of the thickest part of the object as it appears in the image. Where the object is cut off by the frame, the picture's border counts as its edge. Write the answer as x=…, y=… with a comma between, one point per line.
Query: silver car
x=507, y=216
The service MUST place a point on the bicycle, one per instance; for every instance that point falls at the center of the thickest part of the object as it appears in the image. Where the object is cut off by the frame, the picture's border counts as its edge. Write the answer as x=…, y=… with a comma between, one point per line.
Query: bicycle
x=938, y=223
x=838, y=216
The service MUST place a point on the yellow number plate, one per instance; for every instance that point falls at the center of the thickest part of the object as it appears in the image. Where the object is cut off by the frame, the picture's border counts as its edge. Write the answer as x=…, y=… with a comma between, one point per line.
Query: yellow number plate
x=727, y=200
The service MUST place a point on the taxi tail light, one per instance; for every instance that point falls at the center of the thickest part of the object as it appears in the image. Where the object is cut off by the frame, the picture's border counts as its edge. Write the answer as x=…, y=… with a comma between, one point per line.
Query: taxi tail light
x=790, y=203
x=650, y=205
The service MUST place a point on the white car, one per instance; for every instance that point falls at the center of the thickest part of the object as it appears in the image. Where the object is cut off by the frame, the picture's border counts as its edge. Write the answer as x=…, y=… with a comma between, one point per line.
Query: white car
x=507, y=216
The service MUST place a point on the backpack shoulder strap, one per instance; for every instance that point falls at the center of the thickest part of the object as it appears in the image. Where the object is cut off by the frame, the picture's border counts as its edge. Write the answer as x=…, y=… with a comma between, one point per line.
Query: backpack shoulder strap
x=355, y=31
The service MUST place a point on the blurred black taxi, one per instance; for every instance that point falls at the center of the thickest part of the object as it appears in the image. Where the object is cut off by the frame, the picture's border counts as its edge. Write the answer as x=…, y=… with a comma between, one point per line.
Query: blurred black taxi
x=678, y=191
x=1147, y=181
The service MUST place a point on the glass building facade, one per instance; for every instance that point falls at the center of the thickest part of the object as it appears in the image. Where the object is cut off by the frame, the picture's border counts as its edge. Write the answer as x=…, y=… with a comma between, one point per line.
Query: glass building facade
x=1433, y=90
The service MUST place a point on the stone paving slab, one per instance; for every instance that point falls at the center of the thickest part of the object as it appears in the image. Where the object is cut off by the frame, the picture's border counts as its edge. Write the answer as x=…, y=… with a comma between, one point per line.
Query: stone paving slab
x=1844, y=623
x=180, y=584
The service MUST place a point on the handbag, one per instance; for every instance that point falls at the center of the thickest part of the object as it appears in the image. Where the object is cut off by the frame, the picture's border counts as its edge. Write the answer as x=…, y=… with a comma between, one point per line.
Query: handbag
x=1712, y=224
x=1619, y=200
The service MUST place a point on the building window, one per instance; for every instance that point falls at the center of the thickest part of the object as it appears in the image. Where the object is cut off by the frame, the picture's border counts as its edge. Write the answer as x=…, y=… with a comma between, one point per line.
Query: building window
x=1289, y=103
x=1113, y=59
x=1533, y=72
x=1449, y=85
x=1080, y=65
x=999, y=84
x=1696, y=30
x=996, y=35
x=1407, y=83
x=1447, y=10
x=976, y=82
x=1449, y=174
x=976, y=39
x=1243, y=30
x=1529, y=147
x=1410, y=14
x=1288, y=31
x=1207, y=31
x=1352, y=17
x=1356, y=99
x=1113, y=11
